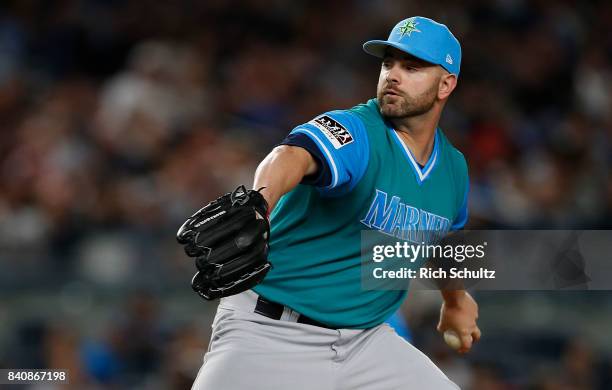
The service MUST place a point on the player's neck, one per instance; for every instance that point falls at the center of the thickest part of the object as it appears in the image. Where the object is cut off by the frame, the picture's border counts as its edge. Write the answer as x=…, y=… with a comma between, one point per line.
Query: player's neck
x=418, y=133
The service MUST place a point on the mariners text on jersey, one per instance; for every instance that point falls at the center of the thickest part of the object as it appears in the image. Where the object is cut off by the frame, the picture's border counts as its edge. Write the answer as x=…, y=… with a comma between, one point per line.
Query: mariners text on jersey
x=403, y=221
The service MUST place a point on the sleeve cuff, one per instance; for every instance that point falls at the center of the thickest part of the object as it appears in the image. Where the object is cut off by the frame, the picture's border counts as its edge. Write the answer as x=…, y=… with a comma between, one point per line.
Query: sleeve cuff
x=323, y=176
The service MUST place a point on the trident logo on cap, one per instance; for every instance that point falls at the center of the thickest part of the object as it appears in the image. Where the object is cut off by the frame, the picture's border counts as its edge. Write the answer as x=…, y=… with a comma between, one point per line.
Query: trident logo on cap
x=409, y=27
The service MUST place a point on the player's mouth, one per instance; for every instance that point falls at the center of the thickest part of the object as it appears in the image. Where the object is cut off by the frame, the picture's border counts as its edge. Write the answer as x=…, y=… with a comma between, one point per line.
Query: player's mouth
x=391, y=92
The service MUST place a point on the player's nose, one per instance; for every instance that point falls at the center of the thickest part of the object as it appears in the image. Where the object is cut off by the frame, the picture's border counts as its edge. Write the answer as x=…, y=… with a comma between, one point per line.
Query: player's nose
x=394, y=74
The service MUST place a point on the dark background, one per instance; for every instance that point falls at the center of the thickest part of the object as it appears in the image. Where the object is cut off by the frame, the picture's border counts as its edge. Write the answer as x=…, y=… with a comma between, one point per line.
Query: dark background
x=120, y=118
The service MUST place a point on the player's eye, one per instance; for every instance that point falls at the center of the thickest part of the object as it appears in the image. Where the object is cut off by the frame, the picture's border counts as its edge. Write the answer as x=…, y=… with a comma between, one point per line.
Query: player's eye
x=410, y=68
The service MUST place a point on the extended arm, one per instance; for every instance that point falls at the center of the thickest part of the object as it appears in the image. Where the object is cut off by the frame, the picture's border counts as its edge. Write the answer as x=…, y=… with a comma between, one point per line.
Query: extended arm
x=282, y=170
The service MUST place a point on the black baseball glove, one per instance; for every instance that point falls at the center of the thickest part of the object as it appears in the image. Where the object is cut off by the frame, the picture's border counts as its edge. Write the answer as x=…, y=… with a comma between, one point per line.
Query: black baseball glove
x=229, y=240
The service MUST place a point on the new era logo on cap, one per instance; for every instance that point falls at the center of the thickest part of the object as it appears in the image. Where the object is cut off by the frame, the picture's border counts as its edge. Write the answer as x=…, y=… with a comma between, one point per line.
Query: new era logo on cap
x=449, y=59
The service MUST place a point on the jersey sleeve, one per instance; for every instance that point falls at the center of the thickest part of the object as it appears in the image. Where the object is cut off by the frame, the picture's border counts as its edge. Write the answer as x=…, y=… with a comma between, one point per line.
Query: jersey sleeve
x=321, y=178
x=462, y=216
x=462, y=190
x=342, y=146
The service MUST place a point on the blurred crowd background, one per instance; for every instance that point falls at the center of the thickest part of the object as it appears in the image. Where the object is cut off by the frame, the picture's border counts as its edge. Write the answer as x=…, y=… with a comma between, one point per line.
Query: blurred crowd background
x=120, y=118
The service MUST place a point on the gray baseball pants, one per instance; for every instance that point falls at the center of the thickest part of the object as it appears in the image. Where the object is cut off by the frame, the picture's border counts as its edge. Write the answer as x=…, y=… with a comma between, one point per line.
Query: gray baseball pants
x=249, y=351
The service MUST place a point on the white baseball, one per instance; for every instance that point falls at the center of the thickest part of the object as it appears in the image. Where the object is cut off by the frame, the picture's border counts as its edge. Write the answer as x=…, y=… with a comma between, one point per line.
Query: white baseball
x=452, y=339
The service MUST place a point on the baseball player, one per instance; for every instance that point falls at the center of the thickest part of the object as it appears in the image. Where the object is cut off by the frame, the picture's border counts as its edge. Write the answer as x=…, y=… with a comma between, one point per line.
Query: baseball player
x=285, y=257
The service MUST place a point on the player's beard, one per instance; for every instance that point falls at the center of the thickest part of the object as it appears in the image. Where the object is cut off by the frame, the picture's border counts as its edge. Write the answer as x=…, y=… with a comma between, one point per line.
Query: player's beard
x=396, y=106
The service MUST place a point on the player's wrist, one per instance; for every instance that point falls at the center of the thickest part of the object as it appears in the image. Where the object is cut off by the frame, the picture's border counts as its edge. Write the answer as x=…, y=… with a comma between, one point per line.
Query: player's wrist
x=268, y=195
x=453, y=298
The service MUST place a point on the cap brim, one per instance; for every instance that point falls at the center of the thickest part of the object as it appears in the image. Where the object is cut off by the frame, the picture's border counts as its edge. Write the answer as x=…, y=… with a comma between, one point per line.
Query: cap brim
x=377, y=48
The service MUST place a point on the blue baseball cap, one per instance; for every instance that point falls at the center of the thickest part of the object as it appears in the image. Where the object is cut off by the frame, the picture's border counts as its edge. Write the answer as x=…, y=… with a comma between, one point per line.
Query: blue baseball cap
x=423, y=38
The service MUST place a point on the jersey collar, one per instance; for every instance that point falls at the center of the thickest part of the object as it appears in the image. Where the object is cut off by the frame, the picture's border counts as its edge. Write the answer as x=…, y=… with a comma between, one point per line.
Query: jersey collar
x=421, y=174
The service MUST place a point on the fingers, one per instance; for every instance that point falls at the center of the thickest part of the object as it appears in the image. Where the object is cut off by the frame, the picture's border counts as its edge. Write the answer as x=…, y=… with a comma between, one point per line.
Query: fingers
x=466, y=337
x=466, y=343
x=476, y=333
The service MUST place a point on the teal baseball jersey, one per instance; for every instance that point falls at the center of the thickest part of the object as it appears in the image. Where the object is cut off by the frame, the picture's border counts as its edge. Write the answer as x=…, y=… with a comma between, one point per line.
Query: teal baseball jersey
x=374, y=183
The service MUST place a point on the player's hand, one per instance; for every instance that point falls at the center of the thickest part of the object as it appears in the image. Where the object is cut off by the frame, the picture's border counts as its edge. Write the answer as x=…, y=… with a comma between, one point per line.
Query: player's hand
x=459, y=315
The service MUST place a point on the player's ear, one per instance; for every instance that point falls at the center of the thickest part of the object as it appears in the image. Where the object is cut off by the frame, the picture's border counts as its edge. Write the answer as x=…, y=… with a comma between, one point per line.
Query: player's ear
x=447, y=84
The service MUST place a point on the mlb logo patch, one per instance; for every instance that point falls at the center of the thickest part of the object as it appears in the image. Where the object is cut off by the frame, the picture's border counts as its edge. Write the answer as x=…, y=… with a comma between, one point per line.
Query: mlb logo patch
x=337, y=134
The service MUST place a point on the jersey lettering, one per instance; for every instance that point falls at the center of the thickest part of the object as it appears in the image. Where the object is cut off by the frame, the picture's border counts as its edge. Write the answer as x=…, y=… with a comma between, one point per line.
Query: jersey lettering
x=404, y=221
